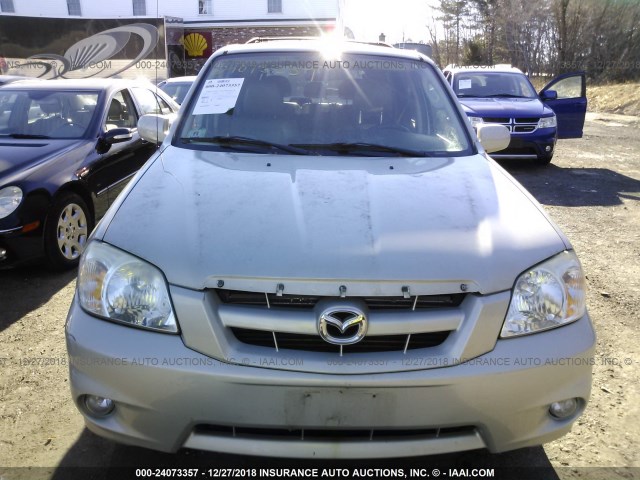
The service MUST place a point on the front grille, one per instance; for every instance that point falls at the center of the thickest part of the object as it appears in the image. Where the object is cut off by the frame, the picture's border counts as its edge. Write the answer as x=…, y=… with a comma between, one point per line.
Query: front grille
x=237, y=297
x=516, y=125
x=313, y=343
x=496, y=120
x=524, y=128
x=330, y=434
x=286, y=339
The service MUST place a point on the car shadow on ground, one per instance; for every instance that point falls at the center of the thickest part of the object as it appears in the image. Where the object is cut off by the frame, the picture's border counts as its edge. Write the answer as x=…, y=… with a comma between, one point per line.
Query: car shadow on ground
x=23, y=290
x=589, y=187
x=92, y=457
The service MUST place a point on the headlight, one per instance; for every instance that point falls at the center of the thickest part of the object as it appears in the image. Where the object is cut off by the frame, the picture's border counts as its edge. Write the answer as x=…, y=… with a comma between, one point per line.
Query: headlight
x=10, y=198
x=547, y=296
x=548, y=122
x=115, y=285
x=475, y=121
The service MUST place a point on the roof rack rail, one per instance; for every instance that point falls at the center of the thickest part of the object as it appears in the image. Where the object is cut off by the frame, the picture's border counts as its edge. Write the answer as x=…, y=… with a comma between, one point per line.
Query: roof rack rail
x=272, y=39
x=379, y=44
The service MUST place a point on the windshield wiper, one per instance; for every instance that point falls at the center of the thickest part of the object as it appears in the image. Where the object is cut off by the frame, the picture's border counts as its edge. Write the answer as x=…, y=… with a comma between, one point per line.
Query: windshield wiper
x=493, y=95
x=510, y=95
x=233, y=142
x=362, y=148
x=24, y=136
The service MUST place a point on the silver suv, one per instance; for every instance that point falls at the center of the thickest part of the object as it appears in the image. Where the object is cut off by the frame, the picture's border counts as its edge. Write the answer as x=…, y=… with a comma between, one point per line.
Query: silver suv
x=322, y=261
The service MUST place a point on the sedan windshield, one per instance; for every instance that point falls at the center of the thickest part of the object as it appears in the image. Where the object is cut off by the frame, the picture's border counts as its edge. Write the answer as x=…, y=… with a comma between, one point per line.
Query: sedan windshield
x=360, y=105
x=483, y=84
x=46, y=113
x=176, y=90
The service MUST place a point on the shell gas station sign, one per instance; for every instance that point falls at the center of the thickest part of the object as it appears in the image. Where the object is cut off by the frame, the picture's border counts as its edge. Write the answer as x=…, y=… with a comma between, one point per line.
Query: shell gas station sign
x=197, y=44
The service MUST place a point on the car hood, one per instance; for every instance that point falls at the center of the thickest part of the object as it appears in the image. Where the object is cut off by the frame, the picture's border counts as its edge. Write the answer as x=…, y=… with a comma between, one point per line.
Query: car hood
x=505, y=107
x=20, y=158
x=314, y=224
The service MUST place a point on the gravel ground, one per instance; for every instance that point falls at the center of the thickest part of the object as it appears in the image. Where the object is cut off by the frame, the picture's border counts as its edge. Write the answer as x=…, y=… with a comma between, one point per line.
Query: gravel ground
x=592, y=190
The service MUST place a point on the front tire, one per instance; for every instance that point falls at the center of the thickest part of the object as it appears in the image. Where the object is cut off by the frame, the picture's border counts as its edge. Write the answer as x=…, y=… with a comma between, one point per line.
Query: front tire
x=66, y=231
x=544, y=159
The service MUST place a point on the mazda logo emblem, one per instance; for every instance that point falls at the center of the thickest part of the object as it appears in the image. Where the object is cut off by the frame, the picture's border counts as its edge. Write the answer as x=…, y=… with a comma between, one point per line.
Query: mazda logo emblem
x=342, y=326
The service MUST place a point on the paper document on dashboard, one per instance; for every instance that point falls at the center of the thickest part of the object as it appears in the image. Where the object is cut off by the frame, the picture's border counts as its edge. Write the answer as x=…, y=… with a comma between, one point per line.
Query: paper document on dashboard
x=218, y=96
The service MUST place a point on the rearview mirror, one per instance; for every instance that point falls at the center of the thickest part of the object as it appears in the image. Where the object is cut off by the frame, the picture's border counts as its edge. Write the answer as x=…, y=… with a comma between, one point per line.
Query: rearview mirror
x=154, y=128
x=493, y=137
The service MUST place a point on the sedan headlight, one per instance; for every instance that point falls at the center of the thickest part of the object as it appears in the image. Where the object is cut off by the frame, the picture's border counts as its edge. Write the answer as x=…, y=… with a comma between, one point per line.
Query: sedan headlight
x=548, y=122
x=547, y=296
x=10, y=198
x=117, y=286
x=475, y=121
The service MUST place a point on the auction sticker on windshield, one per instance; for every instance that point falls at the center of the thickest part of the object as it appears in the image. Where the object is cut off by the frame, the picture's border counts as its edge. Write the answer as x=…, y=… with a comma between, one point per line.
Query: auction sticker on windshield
x=218, y=96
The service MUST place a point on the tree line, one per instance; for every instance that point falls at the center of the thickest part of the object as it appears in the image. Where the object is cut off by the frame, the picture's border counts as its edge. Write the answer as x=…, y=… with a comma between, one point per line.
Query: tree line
x=542, y=37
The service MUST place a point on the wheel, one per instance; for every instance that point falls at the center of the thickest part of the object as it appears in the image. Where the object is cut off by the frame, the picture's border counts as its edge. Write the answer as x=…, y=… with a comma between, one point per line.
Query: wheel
x=66, y=231
x=543, y=160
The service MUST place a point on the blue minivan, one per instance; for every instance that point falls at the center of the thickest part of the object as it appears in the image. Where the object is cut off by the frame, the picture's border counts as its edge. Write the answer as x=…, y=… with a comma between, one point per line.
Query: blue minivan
x=504, y=95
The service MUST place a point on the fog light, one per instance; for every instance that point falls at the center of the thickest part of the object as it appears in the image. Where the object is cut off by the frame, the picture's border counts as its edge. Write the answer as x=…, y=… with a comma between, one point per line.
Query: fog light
x=564, y=409
x=98, y=406
x=548, y=148
x=3, y=254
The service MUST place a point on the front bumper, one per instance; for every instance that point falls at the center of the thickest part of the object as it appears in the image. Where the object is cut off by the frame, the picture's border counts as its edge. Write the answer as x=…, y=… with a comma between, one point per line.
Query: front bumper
x=168, y=397
x=17, y=247
x=529, y=146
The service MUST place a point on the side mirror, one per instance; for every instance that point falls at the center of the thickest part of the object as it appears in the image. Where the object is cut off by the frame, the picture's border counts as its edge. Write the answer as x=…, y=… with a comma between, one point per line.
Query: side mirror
x=493, y=137
x=549, y=95
x=154, y=128
x=115, y=135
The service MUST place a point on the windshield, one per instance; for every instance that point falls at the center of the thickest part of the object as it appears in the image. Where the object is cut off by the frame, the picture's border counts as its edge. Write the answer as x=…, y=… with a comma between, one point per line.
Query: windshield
x=493, y=84
x=45, y=113
x=358, y=105
x=177, y=90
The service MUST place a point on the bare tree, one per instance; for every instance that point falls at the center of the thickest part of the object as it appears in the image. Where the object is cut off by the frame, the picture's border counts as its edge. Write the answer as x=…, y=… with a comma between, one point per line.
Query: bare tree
x=601, y=37
x=486, y=25
x=454, y=13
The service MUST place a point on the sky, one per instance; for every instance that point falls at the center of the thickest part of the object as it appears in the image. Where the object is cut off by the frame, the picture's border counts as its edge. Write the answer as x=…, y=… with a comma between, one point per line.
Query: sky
x=397, y=19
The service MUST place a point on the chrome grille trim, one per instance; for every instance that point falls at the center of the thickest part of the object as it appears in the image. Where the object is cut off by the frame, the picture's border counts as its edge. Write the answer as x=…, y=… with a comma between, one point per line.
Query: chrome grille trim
x=203, y=330
x=515, y=125
x=305, y=322
x=271, y=300
x=314, y=343
x=289, y=321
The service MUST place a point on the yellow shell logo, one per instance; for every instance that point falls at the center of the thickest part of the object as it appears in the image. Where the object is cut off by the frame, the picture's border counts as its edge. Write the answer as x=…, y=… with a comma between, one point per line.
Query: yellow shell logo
x=194, y=44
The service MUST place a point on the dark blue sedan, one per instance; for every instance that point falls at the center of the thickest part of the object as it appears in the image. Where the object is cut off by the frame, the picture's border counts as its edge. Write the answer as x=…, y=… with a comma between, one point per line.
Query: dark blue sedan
x=67, y=148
